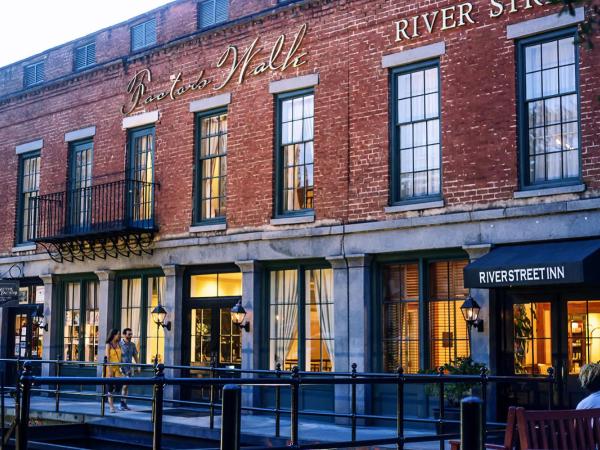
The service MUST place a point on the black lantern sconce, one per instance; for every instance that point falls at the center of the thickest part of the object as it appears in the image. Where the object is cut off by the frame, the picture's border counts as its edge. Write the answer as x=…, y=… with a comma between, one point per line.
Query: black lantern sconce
x=38, y=320
x=470, y=311
x=159, y=313
x=238, y=314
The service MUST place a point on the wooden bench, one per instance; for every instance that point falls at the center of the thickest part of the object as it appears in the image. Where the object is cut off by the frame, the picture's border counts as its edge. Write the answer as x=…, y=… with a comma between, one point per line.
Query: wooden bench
x=559, y=430
x=510, y=435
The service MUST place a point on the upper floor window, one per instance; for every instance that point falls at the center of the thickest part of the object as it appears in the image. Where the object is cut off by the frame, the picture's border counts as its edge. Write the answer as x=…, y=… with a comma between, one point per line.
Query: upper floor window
x=34, y=74
x=143, y=35
x=416, y=155
x=211, y=12
x=295, y=152
x=549, y=107
x=85, y=56
x=29, y=186
x=211, y=167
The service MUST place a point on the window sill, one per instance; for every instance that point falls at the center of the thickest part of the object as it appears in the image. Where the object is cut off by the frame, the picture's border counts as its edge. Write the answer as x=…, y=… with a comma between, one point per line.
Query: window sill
x=293, y=220
x=208, y=227
x=573, y=189
x=24, y=248
x=414, y=206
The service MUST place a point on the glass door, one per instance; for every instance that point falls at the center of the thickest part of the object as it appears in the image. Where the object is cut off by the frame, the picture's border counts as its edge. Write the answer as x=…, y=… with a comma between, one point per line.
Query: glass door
x=80, y=187
x=140, y=178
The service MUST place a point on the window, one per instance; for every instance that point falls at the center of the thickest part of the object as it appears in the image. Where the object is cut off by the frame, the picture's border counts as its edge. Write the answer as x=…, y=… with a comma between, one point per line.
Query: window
x=583, y=334
x=81, y=318
x=85, y=56
x=416, y=160
x=143, y=35
x=532, y=338
x=301, y=319
x=80, y=184
x=549, y=109
x=139, y=295
x=140, y=195
x=401, y=317
x=29, y=186
x=295, y=152
x=34, y=74
x=448, y=332
x=211, y=167
x=212, y=285
x=211, y=12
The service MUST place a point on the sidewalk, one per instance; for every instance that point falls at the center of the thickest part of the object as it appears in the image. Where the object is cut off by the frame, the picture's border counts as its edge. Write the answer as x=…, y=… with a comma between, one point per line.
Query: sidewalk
x=256, y=429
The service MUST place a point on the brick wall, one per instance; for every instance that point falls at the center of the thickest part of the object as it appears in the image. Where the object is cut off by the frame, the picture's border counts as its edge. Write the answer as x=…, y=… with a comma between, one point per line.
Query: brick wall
x=345, y=43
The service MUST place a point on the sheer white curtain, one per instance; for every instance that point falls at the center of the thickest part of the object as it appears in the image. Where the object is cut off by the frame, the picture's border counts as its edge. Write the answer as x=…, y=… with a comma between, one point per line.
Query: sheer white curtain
x=284, y=315
x=324, y=299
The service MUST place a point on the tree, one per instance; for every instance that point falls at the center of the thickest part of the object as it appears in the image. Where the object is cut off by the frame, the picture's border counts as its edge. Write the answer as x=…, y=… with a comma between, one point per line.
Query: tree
x=591, y=24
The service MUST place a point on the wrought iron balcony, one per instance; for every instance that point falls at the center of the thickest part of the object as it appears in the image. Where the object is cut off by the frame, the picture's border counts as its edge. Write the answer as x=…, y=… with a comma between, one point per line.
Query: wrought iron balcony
x=109, y=219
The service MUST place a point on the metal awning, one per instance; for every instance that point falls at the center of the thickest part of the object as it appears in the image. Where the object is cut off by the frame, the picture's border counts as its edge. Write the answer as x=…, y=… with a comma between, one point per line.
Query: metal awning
x=564, y=262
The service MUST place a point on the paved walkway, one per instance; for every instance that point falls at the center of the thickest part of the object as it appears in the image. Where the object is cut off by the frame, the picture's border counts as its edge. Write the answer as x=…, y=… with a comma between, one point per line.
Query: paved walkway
x=256, y=429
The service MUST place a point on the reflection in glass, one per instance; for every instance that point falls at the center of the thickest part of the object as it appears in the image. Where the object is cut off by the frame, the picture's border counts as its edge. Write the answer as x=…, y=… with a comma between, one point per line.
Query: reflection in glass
x=532, y=334
x=583, y=334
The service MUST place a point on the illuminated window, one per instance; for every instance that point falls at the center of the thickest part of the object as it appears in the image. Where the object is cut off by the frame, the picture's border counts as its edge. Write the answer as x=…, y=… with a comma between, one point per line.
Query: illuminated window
x=532, y=338
x=295, y=153
x=583, y=333
x=401, y=317
x=549, y=108
x=301, y=319
x=211, y=167
x=447, y=328
x=138, y=297
x=216, y=285
x=81, y=319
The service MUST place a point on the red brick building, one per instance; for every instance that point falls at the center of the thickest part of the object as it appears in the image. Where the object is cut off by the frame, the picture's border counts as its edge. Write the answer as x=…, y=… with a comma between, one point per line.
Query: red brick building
x=331, y=164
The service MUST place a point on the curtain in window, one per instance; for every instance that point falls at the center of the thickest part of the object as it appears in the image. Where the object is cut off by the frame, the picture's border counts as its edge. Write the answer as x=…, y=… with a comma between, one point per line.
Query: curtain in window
x=131, y=307
x=156, y=295
x=284, y=318
x=323, y=280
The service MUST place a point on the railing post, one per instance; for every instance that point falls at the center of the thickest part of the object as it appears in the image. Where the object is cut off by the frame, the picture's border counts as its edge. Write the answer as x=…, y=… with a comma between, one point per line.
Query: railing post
x=57, y=389
x=484, y=383
x=400, y=409
x=278, y=402
x=441, y=428
x=213, y=364
x=295, y=392
x=157, y=416
x=23, y=423
x=353, y=399
x=550, y=386
x=470, y=423
x=231, y=417
x=103, y=399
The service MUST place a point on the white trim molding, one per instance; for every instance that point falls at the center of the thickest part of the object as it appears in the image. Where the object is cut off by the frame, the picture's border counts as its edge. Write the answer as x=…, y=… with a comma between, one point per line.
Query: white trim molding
x=293, y=84
x=29, y=146
x=543, y=24
x=550, y=191
x=208, y=227
x=414, y=206
x=140, y=119
x=82, y=133
x=206, y=104
x=24, y=248
x=309, y=218
x=414, y=55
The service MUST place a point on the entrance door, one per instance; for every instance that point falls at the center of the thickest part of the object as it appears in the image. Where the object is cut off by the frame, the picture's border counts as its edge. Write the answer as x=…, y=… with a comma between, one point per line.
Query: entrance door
x=25, y=341
x=80, y=187
x=212, y=337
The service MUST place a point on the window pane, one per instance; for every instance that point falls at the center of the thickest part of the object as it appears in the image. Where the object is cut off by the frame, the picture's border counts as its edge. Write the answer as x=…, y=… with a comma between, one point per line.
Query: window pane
x=213, y=167
x=533, y=58
x=532, y=338
x=566, y=51
x=417, y=83
x=550, y=81
x=567, y=78
x=284, y=319
x=155, y=337
x=91, y=322
x=131, y=306
x=319, y=320
x=533, y=82
x=549, y=54
x=404, y=86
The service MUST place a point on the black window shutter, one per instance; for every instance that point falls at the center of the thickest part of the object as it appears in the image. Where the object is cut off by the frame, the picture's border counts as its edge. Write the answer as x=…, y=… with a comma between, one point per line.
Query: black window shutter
x=91, y=54
x=137, y=37
x=221, y=10
x=39, y=72
x=207, y=13
x=80, y=58
x=150, y=32
x=29, y=75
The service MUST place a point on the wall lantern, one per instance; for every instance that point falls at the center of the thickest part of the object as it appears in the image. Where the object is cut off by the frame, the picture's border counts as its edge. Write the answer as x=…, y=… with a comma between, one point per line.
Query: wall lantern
x=38, y=321
x=158, y=317
x=470, y=311
x=238, y=314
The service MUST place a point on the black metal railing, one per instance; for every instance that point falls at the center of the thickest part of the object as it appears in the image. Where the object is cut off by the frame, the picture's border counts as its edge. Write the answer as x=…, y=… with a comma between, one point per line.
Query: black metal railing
x=114, y=206
x=294, y=380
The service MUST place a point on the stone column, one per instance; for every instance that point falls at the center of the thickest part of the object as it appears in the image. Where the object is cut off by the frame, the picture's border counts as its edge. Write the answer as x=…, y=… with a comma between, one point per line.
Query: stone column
x=106, y=308
x=173, y=303
x=251, y=272
x=352, y=296
x=52, y=347
x=481, y=343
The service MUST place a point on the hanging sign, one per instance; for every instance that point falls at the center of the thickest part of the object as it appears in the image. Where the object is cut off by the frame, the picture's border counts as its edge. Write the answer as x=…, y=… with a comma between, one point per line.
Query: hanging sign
x=9, y=292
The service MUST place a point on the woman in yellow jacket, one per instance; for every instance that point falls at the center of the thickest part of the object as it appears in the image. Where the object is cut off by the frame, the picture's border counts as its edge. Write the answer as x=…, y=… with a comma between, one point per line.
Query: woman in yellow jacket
x=113, y=353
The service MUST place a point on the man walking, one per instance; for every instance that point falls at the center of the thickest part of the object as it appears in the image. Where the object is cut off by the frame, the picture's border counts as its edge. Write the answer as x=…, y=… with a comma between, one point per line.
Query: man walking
x=129, y=354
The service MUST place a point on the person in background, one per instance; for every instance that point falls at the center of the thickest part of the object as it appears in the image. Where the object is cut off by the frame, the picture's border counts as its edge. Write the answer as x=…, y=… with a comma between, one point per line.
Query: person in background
x=129, y=354
x=589, y=377
x=113, y=354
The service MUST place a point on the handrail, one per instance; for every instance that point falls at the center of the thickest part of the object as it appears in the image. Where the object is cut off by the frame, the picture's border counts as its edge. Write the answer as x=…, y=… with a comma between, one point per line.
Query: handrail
x=277, y=379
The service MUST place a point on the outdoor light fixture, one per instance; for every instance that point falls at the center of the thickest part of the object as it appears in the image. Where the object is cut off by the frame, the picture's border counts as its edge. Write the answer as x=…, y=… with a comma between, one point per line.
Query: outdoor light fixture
x=238, y=314
x=158, y=317
x=470, y=311
x=37, y=318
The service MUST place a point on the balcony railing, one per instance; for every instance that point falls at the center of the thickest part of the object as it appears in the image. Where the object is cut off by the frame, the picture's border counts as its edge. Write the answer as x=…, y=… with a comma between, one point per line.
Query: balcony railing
x=116, y=206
